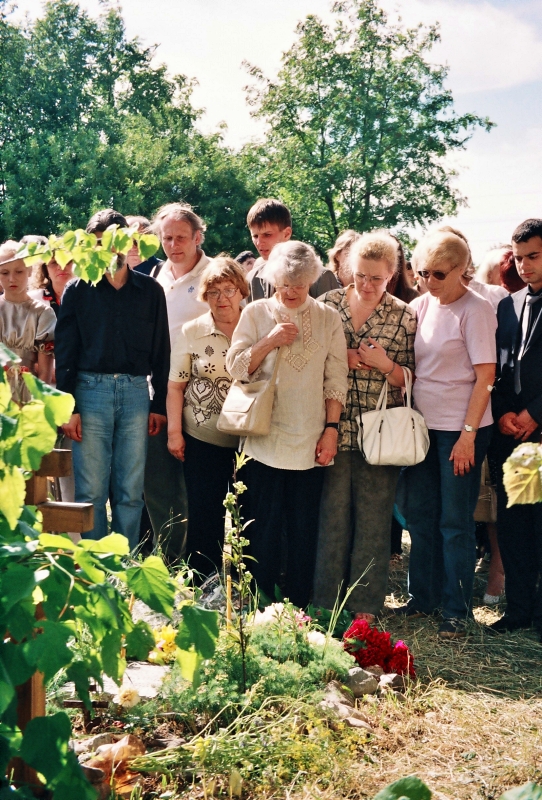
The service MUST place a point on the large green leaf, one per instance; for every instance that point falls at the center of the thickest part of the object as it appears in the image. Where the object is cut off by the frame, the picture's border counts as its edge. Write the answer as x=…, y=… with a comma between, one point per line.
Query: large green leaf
x=113, y=663
x=140, y=641
x=196, y=640
x=150, y=582
x=411, y=788
x=115, y=543
x=48, y=650
x=529, y=791
x=16, y=583
x=72, y=783
x=12, y=492
x=38, y=434
x=147, y=244
x=16, y=668
x=522, y=475
x=45, y=744
x=58, y=404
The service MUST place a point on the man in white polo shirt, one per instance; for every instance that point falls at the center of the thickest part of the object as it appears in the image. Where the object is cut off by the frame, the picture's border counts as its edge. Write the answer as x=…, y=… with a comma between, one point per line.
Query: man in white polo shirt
x=181, y=232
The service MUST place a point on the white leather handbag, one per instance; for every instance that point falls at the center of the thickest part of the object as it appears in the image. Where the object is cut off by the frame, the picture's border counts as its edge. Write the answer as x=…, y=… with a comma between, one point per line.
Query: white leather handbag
x=394, y=436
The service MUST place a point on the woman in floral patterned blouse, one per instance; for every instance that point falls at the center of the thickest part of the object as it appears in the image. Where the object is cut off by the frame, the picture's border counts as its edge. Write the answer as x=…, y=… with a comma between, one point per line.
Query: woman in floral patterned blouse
x=357, y=499
x=197, y=387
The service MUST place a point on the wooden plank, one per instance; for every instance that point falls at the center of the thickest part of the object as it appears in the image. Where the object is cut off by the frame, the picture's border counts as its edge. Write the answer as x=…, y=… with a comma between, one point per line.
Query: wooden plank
x=63, y=517
x=56, y=464
x=36, y=490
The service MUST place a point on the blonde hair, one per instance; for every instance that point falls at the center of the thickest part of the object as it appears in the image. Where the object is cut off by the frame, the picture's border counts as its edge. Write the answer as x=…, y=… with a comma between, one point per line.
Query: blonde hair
x=375, y=246
x=222, y=268
x=440, y=248
x=470, y=268
x=181, y=212
x=344, y=241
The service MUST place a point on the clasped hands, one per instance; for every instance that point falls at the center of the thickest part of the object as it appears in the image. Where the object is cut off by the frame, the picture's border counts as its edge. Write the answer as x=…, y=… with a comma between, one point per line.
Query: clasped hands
x=520, y=426
x=369, y=356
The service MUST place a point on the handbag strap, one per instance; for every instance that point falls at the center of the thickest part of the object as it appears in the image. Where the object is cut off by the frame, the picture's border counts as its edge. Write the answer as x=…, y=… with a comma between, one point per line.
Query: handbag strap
x=273, y=378
x=408, y=386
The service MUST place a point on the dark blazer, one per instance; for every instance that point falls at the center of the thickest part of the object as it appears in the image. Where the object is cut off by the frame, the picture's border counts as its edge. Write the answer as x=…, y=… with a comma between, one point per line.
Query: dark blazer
x=508, y=340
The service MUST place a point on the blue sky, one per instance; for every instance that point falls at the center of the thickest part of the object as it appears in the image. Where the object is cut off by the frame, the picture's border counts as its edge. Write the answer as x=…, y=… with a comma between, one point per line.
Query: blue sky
x=493, y=49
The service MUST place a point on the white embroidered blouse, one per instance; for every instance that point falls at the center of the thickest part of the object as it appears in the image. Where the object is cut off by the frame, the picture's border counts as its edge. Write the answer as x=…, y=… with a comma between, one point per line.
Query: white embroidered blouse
x=313, y=369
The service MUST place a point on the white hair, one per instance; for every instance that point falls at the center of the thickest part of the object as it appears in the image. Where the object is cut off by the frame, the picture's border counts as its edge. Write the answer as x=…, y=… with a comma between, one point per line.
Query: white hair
x=491, y=260
x=295, y=261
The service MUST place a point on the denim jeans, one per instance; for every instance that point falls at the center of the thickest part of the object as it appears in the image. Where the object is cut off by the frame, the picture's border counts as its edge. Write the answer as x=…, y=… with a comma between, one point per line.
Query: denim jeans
x=110, y=461
x=439, y=516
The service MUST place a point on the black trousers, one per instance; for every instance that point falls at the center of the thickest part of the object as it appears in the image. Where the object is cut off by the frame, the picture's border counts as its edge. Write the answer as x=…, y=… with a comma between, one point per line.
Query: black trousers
x=277, y=500
x=519, y=531
x=208, y=473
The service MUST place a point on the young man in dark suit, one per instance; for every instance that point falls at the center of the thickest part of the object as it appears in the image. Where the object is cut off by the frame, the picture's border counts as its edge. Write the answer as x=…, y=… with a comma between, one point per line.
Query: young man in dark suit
x=517, y=409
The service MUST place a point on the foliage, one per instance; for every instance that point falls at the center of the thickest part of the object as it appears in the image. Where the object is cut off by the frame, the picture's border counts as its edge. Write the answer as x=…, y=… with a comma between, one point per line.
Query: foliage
x=55, y=594
x=87, y=122
x=523, y=474
x=412, y=788
x=359, y=126
x=91, y=258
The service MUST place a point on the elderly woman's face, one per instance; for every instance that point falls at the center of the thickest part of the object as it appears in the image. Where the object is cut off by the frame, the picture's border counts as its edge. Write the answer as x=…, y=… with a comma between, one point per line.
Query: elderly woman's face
x=439, y=279
x=224, y=298
x=292, y=295
x=371, y=277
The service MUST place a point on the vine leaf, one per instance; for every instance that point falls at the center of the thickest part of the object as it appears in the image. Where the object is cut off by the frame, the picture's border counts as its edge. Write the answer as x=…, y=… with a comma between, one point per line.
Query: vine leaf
x=55, y=730
x=140, y=641
x=12, y=492
x=196, y=640
x=410, y=788
x=150, y=582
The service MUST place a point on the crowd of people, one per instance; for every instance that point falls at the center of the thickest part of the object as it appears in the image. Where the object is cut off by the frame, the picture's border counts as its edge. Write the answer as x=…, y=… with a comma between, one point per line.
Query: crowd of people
x=150, y=354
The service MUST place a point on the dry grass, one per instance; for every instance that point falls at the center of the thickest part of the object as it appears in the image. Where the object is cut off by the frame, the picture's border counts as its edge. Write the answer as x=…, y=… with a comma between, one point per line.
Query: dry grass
x=471, y=728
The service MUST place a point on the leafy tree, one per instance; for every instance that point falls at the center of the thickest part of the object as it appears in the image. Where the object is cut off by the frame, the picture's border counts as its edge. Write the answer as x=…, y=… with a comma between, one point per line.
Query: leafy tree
x=360, y=125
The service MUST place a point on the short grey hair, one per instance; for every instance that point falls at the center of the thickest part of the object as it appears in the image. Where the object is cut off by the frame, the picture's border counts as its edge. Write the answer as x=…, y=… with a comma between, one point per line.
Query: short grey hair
x=294, y=261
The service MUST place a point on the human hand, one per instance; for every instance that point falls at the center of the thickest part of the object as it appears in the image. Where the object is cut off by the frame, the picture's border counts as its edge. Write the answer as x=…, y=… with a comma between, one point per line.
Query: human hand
x=526, y=425
x=73, y=429
x=283, y=333
x=508, y=424
x=354, y=361
x=463, y=453
x=176, y=445
x=375, y=357
x=156, y=423
x=326, y=448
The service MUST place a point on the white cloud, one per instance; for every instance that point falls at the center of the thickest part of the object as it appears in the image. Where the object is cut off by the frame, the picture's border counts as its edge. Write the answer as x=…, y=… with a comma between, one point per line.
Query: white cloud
x=485, y=47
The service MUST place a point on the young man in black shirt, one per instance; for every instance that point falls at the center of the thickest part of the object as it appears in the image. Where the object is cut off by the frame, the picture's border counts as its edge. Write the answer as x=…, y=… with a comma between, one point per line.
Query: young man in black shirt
x=109, y=338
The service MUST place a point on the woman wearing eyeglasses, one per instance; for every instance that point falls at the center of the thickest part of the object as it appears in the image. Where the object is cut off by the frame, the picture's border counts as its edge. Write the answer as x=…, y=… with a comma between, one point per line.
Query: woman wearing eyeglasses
x=358, y=498
x=197, y=387
x=455, y=369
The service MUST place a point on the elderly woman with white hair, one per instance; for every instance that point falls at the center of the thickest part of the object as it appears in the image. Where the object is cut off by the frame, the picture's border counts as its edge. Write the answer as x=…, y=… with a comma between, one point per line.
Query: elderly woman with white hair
x=455, y=368
x=285, y=475
x=358, y=498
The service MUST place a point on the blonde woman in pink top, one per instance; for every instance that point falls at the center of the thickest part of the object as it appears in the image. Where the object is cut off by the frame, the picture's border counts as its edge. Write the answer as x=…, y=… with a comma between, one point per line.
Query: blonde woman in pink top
x=455, y=355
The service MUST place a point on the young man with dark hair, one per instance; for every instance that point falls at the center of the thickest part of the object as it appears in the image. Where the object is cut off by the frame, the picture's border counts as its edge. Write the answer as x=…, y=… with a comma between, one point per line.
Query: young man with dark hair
x=109, y=338
x=270, y=223
x=517, y=409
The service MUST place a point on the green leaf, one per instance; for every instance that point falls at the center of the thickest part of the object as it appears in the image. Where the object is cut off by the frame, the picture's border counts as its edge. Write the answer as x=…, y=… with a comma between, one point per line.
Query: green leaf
x=147, y=245
x=72, y=782
x=113, y=663
x=80, y=672
x=57, y=541
x=140, y=641
x=89, y=568
x=115, y=543
x=58, y=404
x=199, y=628
x=48, y=650
x=16, y=583
x=12, y=493
x=10, y=741
x=16, y=667
x=38, y=434
x=45, y=744
x=189, y=663
x=529, y=791
x=522, y=475
x=7, y=356
x=150, y=582
x=411, y=788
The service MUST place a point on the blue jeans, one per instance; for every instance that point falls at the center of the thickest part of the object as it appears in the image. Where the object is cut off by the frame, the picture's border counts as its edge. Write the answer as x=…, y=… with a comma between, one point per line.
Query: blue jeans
x=439, y=516
x=110, y=461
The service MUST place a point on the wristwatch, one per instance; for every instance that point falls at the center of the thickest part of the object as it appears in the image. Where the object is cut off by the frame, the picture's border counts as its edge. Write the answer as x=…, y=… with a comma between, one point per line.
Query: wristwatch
x=332, y=425
x=470, y=429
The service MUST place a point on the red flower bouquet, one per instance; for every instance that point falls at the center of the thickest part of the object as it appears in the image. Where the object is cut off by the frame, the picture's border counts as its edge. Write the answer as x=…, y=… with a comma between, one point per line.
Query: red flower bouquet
x=371, y=647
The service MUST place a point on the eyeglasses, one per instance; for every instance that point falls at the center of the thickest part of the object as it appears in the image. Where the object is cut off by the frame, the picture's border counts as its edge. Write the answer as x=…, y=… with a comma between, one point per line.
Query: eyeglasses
x=292, y=288
x=376, y=279
x=437, y=274
x=214, y=294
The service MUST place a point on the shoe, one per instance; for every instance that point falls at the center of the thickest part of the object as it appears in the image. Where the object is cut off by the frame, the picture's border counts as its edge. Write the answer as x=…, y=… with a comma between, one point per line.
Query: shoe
x=507, y=624
x=452, y=629
x=409, y=612
x=493, y=599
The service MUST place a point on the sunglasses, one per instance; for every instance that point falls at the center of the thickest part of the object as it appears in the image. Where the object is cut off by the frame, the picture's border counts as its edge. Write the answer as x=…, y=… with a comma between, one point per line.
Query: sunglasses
x=437, y=274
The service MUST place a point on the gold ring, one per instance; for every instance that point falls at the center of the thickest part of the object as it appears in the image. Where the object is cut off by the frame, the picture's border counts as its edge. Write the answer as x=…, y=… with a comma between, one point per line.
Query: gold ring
x=359, y=364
